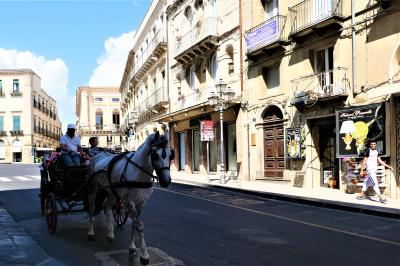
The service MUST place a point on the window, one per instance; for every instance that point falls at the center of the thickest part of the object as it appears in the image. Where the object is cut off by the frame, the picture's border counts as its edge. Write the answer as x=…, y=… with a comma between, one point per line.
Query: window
x=98, y=99
x=192, y=78
x=16, y=122
x=15, y=86
x=1, y=123
x=182, y=151
x=115, y=99
x=99, y=119
x=34, y=125
x=231, y=64
x=213, y=10
x=214, y=68
x=1, y=87
x=115, y=117
x=323, y=65
x=189, y=17
x=271, y=77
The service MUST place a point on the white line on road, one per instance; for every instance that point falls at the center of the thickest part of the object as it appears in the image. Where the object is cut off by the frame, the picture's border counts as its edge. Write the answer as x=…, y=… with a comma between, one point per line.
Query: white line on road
x=22, y=178
x=290, y=219
x=5, y=179
x=34, y=176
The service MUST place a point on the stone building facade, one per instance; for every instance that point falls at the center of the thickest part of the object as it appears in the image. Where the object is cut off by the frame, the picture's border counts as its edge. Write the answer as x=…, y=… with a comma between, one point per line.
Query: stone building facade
x=98, y=110
x=29, y=122
x=300, y=89
x=144, y=85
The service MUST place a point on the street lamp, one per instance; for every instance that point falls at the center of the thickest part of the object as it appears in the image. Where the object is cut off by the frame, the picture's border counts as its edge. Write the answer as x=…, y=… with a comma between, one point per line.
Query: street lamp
x=220, y=99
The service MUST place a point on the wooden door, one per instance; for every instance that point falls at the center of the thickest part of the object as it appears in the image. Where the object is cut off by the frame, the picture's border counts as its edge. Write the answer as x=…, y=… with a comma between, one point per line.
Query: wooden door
x=273, y=150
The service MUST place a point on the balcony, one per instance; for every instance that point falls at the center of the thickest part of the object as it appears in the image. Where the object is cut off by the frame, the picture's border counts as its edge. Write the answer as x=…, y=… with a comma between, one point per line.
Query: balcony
x=157, y=46
x=322, y=86
x=157, y=99
x=315, y=15
x=270, y=34
x=3, y=133
x=199, y=40
x=17, y=132
x=16, y=93
x=197, y=97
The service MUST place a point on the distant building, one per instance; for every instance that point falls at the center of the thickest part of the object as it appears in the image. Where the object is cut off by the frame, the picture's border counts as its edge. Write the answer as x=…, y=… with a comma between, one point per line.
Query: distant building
x=29, y=124
x=98, y=111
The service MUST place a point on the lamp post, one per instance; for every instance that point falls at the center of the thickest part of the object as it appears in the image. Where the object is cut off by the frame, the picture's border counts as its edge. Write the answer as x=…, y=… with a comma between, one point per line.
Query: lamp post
x=220, y=100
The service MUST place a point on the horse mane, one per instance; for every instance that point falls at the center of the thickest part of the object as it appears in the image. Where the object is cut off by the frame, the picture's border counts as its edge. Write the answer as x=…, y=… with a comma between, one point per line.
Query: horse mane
x=114, y=160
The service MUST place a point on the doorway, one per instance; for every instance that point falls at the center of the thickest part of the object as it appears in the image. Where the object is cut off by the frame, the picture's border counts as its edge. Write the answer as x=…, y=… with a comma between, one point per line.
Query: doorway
x=274, y=157
x=323, y=133
x=182, y=151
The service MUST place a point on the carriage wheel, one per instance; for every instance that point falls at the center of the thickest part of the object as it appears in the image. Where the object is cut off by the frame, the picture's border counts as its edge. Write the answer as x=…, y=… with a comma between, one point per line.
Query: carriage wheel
x=51, y=212
x=120, y=213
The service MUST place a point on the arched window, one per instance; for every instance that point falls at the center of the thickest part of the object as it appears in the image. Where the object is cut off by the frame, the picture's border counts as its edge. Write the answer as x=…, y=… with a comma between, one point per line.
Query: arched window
x=115, y=118
x=214, y=67
x=189, y=17
x=2, y=150
x=213, y=9
x=99, y=119
x=231, y=62
x=192, y=78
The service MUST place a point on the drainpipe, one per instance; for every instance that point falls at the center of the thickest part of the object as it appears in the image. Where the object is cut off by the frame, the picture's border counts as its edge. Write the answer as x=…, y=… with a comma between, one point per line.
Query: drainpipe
x=353, y=53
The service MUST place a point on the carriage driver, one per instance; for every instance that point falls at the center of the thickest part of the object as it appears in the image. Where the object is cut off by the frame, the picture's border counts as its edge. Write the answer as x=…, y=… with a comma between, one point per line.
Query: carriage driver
x=70, y=146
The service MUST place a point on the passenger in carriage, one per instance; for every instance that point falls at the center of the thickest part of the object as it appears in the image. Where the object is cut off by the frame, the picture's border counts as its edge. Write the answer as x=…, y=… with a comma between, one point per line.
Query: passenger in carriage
x=70, y=147
x=94, y=150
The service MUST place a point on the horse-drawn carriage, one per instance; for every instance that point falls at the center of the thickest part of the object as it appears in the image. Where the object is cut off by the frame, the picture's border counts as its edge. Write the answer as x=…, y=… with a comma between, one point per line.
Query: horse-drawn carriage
x=123, y=180
x=64, y=190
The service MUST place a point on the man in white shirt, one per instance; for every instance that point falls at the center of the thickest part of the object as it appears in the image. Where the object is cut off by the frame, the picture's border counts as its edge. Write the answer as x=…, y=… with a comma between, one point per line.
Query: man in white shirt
x=370, y=163
x=70, y=147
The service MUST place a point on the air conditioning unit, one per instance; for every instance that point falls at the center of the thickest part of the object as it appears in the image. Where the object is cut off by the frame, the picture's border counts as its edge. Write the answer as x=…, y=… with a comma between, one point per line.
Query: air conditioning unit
x=300, y=98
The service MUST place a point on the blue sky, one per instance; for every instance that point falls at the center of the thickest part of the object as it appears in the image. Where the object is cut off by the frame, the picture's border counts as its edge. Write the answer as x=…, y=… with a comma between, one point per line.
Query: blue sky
x=70, y=43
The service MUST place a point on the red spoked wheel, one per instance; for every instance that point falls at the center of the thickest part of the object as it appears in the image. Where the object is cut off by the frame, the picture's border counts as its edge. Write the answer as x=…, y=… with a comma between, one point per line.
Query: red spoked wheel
x=51, y=212
x=120, y=213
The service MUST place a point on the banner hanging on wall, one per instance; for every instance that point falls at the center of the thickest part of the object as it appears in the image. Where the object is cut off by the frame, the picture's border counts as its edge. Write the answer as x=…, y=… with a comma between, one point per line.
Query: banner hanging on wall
x=356, y=126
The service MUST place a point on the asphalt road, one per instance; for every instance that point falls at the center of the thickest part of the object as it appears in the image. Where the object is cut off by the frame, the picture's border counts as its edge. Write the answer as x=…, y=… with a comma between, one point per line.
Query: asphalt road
x=199, y=226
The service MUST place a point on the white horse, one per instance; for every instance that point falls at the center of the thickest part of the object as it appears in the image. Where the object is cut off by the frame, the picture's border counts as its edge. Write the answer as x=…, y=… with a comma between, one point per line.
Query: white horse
x=129, y=177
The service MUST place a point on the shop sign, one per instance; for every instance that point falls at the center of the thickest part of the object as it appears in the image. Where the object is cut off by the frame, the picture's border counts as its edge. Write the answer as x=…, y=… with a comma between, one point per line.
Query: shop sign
x=355, y=126
x=293, y=142
x=207, y=130
x=262, y=35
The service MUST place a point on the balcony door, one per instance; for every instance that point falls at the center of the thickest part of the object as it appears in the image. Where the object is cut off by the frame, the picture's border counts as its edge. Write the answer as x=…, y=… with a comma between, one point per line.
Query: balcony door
x=321, y=9
x=270, y=8
x=182, y=151
x=323, y=65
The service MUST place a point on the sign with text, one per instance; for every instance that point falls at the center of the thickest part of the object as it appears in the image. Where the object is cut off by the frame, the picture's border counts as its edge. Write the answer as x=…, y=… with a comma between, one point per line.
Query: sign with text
x=207, y=130
x=356, y=126
x=265, y=34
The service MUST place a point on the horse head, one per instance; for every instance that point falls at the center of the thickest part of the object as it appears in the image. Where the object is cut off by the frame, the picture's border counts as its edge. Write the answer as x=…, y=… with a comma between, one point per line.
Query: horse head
x=161, y=157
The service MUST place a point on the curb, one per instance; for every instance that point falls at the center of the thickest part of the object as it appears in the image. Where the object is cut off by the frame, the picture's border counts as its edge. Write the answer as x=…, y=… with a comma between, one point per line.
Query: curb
x=344, y=206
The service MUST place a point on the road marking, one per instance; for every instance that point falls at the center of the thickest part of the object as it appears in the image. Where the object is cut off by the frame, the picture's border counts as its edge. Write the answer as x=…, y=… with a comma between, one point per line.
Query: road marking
x=5, y=179
x=22, y=178
x=290, y=219
x=34, y=176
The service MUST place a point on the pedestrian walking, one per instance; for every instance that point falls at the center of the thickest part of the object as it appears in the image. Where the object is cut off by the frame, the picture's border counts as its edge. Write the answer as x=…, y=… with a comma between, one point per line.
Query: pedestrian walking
x=370, y=163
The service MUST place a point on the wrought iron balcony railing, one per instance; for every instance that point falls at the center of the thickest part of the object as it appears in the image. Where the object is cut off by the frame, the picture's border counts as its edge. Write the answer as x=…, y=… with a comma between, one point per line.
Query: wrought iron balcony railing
x=159, y=38
x=196, y=97
x=323, y=85
x=270, y=31
x=156, y=98
x=199, y=32
x=311, y=12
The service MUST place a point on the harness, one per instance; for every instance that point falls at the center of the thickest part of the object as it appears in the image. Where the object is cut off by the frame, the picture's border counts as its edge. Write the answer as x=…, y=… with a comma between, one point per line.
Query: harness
x=123, y=182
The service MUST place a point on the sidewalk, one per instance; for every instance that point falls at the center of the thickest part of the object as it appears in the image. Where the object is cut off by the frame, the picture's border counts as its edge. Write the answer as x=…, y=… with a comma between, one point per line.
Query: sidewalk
x=17, y=247
x=325, y=197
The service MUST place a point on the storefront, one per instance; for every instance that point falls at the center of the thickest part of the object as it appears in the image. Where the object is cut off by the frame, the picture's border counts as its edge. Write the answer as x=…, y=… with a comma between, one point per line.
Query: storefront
x=196, y=155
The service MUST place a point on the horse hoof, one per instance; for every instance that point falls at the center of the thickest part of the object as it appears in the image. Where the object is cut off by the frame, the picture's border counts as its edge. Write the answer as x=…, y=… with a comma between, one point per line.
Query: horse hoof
x=91, y=238
x=110, y=239
x=144, y=261
x=133, y=252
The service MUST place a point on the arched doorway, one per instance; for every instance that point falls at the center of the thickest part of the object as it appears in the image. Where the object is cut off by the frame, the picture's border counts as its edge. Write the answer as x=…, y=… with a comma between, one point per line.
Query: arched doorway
x=274, y=157
x=17, y=150
x=2, y=150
